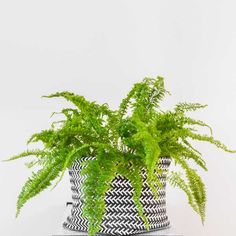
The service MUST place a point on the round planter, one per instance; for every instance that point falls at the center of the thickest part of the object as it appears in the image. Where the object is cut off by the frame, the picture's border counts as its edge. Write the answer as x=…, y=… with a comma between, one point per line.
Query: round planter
x=121, y=217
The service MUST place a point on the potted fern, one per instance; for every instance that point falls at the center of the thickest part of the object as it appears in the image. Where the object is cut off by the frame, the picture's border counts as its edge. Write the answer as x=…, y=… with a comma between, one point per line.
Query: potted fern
x=119, y=160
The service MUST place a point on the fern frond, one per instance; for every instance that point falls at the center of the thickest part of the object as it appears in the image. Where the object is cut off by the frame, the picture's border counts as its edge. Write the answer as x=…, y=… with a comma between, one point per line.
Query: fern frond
x=176, y=180
x=188, y=153
x=190, y=121
x=151, y=149
x=44, y=136
x=144, y=96
x=211, y=140
x=77, y=100
x=184, y=107
x=189, y=145
x=134, y=175
x=196, y=185
x=36, y=152
x=99, y=175
x=38, y=182
x=69, y=160
x=81, y=103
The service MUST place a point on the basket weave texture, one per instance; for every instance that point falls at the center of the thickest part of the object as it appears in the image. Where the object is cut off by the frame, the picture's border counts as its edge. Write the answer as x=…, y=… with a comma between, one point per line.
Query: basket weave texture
x=121, y=217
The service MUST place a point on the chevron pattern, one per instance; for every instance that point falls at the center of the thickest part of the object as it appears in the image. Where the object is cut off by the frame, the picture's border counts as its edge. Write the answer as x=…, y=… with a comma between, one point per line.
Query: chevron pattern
x=121, y=217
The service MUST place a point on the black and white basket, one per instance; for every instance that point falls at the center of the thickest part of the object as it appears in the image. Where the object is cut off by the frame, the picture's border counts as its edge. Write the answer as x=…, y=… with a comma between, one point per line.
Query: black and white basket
x=121, y=217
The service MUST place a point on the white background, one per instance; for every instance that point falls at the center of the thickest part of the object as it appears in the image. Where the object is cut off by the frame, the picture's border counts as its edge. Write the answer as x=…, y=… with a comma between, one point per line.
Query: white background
x=99, y=49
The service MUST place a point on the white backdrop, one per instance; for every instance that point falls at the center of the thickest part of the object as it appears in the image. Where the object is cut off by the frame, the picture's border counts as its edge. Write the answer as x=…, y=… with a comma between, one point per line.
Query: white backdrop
x=99, y=49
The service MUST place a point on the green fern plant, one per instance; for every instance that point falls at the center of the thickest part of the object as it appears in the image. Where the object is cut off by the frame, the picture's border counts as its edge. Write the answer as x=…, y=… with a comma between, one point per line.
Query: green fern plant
x=136, y=135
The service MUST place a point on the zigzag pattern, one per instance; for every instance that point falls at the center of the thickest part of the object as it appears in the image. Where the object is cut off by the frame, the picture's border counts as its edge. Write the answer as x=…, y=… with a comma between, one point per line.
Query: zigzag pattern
x=121, y=217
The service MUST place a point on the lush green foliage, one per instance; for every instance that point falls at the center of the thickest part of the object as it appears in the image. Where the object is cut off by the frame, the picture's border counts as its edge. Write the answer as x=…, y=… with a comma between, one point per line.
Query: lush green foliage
x=123, y=142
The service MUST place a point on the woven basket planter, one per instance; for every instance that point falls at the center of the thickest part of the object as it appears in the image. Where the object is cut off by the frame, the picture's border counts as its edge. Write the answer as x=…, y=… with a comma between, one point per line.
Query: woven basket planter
x=121, y=217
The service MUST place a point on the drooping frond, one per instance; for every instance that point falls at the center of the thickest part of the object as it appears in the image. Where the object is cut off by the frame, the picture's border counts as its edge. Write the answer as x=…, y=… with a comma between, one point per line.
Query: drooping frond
x=190, y=121
x=36, y=152
x=132, y=170
x=68, y=161
x=211, y=140
x=189, y=154
x=176, y=180
x=38, y=182
x=99, y=172
x=152, y=151
x=196, y=186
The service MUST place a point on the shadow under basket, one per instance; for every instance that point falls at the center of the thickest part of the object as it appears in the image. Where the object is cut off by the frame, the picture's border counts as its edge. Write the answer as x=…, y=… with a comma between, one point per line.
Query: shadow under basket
x=121, y=217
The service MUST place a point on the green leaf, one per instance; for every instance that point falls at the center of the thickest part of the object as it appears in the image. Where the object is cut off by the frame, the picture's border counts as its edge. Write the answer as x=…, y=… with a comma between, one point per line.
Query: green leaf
x=36, y=152
x=38, y=182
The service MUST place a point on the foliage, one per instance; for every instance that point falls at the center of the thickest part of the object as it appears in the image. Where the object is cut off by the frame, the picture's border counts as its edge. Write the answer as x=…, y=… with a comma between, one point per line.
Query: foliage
x=123, y=142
